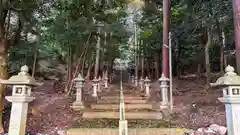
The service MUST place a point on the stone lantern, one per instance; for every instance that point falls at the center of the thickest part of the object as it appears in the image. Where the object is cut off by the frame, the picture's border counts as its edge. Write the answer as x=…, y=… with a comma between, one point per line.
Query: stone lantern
x=21, y=96
x=147, y=86
x=79, y=83
x=141, y=83
x=106, y=82
x=99, y=84
x=133, y=79
x=230, y=84
x=164, y=90
x=136, y=81
x=95, y=85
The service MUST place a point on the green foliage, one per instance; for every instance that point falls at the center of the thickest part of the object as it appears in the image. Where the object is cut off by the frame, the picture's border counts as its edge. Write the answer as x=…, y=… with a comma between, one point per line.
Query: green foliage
x=189, y=21
x=68, y=24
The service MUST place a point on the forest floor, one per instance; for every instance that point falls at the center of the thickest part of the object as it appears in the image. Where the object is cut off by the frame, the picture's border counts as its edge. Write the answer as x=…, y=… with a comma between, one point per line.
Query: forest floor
x=51, y=111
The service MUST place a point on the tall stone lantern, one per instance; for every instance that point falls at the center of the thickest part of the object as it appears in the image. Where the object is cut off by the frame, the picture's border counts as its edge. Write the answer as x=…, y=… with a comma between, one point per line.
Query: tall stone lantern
x=141, y=82
x=136, y=81
x=132, y=79
x=95, y=86
x=147, y=86
x=230, y=84
x=99, y=84
x=164, y=90
x=21, y=96
x=106, y=82
x=79, y=83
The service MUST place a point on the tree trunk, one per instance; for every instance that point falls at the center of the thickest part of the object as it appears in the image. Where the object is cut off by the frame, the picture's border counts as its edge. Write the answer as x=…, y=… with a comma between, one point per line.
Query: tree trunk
x=136, y=63
x=148, y=70
x=4, y=46
x=83, y=66
x=156, y=58
x=207, y=61
x=236, y=9
x=111, y=66
x=199, y=69
x=222, y=63
x=153, y=71
x=97, y=58
x=165, y=47
x=142, y=66
x=35, y=56
x=69, y=68
x=90, y=65
x=177, y=52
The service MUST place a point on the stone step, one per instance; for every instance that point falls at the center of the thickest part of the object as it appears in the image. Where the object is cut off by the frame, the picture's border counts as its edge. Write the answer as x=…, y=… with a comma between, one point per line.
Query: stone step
x=116, y=106
x=131, y=131
x=128, y=115
x=126, y=101
x=128, y=97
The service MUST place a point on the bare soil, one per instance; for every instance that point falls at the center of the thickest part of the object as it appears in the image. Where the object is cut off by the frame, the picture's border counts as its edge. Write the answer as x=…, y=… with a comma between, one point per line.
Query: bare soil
x=52, y=111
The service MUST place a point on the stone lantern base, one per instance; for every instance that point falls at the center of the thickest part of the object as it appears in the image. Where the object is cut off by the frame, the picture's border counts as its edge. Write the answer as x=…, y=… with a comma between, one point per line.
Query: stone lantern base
x=78, y=105
x=164, y=105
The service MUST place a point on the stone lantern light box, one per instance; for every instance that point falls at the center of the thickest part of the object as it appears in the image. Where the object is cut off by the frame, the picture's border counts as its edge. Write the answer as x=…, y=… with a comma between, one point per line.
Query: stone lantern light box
x=147, y=86
x=22, y=82
x=230, y=82
x=79, y=81
x=147, y=81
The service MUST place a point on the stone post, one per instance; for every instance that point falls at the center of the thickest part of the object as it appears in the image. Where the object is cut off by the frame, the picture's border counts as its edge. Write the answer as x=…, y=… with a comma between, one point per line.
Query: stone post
x=147, y=87
x=99, y=84
x=95, y=86
x=79, y=83
x=21, y=96
x=230, y=83
x=106, y=82
x=133, y=79
x=141, y=83
x=164, y=90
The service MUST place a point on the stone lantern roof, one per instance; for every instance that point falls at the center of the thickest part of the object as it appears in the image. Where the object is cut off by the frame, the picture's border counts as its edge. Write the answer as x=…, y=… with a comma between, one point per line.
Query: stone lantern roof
x=229, y=78
x=79, y=78
x=23, y=78
x=147, y=80
x=95, y=80
x=163, y=79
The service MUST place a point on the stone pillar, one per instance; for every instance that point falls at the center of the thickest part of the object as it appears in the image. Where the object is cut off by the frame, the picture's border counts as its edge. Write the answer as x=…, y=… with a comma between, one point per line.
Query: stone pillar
x=106, y=82
x=123, y=127
x=99, y=84
x=21, y=96
x=133, y=79
x=230, y=83
x=95, y=87
x=147, y=87
x=141, y=83
x=164, y=90
x=79, y=82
